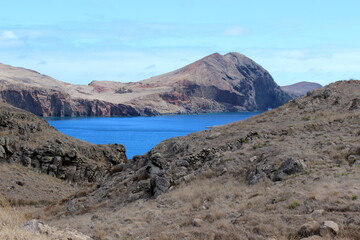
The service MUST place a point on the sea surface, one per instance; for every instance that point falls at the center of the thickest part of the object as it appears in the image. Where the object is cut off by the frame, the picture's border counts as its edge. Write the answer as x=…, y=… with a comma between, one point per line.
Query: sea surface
x=140, y=134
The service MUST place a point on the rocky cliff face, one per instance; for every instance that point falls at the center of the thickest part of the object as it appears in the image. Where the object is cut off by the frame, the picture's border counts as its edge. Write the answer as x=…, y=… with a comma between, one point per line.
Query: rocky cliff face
x=44, y=102
x=216, y=83
x=28, y=140
x=282, y=168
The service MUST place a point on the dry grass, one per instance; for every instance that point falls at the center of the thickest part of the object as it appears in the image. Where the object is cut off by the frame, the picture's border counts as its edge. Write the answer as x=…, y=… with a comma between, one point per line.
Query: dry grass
x=11, y=220
x=228, y=209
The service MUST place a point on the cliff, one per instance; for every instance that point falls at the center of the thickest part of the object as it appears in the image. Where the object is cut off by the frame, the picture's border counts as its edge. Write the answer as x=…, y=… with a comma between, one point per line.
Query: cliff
x=216, y=83
x=285, y=174
x=27, y=140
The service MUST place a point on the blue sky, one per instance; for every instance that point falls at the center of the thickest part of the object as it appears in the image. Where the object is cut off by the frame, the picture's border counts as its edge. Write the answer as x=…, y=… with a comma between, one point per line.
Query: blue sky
x=79, y=41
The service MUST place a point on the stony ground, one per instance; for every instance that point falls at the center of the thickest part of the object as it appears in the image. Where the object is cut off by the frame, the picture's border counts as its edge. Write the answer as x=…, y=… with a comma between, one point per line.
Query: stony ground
x=262, y=178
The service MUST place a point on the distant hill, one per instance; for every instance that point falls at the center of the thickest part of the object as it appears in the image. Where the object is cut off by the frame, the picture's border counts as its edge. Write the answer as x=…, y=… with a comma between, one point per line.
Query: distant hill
x=216, y=83
x=300, y=88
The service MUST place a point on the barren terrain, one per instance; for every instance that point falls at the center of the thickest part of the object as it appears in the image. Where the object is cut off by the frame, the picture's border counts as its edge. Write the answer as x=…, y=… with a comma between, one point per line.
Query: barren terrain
x=286, y=174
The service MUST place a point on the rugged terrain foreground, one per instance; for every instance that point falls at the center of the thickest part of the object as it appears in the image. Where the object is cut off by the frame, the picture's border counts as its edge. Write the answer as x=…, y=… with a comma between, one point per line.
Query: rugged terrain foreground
x=289, y=173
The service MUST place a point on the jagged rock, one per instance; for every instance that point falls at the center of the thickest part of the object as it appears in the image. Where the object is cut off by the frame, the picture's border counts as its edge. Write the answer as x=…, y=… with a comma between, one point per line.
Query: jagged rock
x=158, y=160
x=255, y=175
x=352, y=159
x=143, y=186
x=308, y=229
x=355, y=104
x=2, y=152
x=329, y=229
x=4, y=141
x=57, y=161
x=289, y=167
x=159, y=185
x=182, y=163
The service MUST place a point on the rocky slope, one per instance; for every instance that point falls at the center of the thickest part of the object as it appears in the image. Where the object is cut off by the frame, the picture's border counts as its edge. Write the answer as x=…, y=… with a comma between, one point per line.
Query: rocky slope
x=28, y=140
x=300, y=89
x=288, y=173
x=216, y=83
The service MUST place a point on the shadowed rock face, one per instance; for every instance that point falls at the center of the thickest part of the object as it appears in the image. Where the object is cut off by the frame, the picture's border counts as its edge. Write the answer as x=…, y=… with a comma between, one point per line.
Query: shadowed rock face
x=30, y=141
x=56, y=103
x=216, y=83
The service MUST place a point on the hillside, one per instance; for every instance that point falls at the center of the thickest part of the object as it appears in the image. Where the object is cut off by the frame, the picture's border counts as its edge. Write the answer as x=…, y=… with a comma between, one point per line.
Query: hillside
x=300, y=89
x=288, y=173
x=216, y=83
x=27, y=140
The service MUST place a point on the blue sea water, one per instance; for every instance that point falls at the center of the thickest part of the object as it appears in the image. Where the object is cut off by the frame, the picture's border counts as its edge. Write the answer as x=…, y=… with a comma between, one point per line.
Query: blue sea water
x=140, y=134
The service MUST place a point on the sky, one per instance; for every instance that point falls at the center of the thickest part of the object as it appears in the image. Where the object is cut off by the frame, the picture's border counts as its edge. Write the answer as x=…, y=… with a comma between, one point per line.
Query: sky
x=79, y=41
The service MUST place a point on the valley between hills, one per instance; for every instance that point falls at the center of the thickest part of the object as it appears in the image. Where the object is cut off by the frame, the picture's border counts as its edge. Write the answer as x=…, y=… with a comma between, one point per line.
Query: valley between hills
x=288, y=173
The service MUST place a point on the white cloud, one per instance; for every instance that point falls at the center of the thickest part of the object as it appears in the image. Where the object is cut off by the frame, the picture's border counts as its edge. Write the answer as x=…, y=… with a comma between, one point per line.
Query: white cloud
x=235, y=31
x=8, y=35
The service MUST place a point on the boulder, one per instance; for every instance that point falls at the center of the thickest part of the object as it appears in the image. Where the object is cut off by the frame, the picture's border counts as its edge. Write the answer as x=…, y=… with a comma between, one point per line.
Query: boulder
x=197, y=222
x=329, y=229
x=317, y=213
x=289, y=167
x=118, y=168
x=308, y=229
x=159, y=185
x=158, y=160
x=47, y=159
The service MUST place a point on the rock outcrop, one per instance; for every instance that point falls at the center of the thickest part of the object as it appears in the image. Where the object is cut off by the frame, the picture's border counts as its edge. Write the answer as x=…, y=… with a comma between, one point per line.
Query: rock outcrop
x=28, y=140
x=216, y=83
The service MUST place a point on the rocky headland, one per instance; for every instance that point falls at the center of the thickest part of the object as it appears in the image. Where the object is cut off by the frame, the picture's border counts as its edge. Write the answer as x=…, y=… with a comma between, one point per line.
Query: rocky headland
x=216, y=83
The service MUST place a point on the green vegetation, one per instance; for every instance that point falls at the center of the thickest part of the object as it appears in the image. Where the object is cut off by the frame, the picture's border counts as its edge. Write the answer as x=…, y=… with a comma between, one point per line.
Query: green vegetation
x=293, y=205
